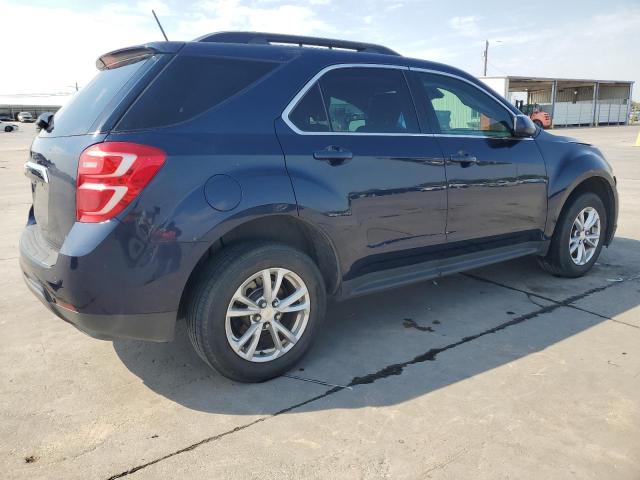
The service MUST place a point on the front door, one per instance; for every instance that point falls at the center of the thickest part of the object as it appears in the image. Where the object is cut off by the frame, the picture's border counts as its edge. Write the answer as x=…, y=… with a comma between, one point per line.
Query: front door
x=361, y=169
x=497, y=185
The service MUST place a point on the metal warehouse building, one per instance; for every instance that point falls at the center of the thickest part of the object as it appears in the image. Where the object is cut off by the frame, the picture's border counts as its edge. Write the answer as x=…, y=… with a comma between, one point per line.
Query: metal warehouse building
x=570, y=101
x=11, y=105
x=12, y=110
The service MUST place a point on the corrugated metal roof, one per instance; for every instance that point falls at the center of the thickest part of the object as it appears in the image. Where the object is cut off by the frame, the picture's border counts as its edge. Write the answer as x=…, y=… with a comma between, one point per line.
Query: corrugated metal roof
x=559, y=79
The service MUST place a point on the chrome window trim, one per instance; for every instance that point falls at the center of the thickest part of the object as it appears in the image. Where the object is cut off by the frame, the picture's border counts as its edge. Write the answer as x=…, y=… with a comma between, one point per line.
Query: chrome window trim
x=493, y=137
x=307, y=86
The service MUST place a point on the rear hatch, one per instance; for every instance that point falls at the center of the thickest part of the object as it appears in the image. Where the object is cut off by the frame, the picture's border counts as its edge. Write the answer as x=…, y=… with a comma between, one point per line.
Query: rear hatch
x=85, y=120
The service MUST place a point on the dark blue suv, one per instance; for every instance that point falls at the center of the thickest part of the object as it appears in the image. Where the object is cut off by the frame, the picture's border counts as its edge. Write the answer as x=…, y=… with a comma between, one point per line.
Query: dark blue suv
x=237, y=180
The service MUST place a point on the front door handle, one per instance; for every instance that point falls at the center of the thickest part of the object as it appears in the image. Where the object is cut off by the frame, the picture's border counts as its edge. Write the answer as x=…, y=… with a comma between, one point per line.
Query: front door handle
x=463, y=158
x=333, y=154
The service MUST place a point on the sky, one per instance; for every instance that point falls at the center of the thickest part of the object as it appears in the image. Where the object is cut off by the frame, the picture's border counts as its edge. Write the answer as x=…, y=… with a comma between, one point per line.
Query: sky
x=49, y=46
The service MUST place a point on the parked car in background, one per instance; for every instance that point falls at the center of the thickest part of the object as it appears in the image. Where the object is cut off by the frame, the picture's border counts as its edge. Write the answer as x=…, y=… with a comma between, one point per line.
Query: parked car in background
x=7, y=127
x=5, y=117
x=238, y=180
x=25, y=117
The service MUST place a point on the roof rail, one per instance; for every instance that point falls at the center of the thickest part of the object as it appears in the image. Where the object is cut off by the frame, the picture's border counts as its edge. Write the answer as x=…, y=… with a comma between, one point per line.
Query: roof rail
x=301, y=41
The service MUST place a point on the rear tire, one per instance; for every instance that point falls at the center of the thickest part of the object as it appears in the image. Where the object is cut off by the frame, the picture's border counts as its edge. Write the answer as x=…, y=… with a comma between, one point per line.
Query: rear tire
x=8, y=129
x=572, y=253
x=217, y=327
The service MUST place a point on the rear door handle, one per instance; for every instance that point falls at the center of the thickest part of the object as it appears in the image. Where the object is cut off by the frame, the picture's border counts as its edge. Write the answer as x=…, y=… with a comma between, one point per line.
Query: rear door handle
x=333, y=154
x=464, y=159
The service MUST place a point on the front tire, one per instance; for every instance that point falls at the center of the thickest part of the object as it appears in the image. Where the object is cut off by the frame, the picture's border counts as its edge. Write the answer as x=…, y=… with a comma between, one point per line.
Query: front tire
x=255, y=310
x=8, y=129
x=578, y=238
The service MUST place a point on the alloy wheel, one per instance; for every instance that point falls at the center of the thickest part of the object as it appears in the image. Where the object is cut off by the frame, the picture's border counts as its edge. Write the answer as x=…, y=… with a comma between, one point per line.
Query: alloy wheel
x=585, y=236
x=267, y=315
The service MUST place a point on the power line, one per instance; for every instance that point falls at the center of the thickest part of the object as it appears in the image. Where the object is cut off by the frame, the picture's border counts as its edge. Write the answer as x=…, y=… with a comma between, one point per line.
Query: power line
x=496, y=68
x=55, y=94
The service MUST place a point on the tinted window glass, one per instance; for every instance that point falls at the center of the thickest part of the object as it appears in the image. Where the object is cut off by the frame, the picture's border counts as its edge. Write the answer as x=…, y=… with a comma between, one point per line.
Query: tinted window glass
x=310, y=115
x=79, y=114
x=189, y=86
x=368, y=100
x=461, y=108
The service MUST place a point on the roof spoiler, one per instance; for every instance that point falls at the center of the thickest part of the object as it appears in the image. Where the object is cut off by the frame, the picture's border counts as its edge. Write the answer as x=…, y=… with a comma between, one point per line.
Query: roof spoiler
x=129, y=55
x=298, y=40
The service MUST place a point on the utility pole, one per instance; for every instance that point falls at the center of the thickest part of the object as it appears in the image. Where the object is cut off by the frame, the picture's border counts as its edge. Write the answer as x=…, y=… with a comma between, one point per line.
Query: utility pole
x=486, y=54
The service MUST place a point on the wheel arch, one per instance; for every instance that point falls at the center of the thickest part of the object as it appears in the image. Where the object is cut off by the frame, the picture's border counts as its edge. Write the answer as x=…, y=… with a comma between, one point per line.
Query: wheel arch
x=602, y=186
x=287, y=229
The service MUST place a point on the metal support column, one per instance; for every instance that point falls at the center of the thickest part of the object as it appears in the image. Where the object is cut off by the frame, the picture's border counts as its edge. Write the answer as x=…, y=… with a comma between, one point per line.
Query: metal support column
x=554, y=90
x=629, y=100
x=595, y=102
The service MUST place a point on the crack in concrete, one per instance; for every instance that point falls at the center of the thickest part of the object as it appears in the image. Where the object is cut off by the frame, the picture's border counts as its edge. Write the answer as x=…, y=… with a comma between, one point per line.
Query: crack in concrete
x=223, y=434
x=508, y=287
x=531, y=294
x=313, y=380
x=389, y=370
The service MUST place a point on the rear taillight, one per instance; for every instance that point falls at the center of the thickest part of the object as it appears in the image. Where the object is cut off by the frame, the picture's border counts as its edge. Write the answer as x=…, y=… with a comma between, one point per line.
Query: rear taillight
x=111, y=175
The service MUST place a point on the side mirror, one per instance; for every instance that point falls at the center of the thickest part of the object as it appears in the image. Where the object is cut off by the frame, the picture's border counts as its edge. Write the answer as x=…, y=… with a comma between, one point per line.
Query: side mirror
x=524, y=127
x=44, y=121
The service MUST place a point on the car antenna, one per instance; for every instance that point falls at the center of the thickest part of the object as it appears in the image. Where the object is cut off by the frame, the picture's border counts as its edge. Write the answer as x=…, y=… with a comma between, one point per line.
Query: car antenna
x=159, y=25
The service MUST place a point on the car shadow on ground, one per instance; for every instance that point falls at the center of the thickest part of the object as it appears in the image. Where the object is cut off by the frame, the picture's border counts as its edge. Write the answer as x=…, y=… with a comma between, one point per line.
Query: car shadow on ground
x=499, y=314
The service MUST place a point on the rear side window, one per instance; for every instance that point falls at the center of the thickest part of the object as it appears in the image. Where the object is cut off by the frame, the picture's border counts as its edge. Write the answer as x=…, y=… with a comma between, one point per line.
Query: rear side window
x=366, y=100
x=310, y=114
x=79, y=114
x=189, y=86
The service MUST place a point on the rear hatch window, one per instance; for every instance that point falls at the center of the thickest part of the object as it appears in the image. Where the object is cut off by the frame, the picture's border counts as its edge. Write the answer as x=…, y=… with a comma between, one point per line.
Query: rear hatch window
x=78, y=116
x=189, y=86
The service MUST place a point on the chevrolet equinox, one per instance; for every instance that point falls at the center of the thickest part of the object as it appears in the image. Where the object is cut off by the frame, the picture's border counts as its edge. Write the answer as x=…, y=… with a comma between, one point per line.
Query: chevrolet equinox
x=238, y=180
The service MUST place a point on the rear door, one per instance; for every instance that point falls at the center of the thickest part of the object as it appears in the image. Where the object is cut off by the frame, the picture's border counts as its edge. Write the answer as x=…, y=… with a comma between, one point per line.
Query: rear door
x=54, y=155
x=497, y=184
x=361, y=168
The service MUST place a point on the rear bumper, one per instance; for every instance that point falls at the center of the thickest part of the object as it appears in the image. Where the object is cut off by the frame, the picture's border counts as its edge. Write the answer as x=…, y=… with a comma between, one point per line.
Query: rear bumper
x=95, y=293
x=154, y=327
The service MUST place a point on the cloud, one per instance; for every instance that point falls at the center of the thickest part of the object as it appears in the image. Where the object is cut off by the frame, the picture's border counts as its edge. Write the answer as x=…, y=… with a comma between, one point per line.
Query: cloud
x=598, y=47
x=393, y=6
x=64, y=43
x=220, y=15
x=161, y=8
x=467, y=26
x=590, y=42
x=79, y=36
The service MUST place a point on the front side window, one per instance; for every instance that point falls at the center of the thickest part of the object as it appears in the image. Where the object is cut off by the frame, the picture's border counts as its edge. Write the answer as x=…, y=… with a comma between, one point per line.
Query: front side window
x=358, y=100
x=460, y=108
